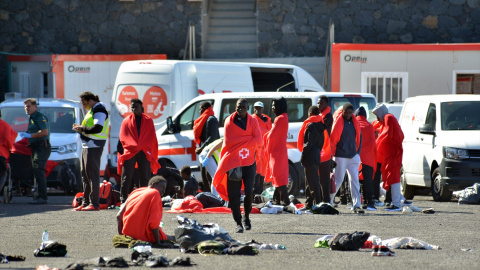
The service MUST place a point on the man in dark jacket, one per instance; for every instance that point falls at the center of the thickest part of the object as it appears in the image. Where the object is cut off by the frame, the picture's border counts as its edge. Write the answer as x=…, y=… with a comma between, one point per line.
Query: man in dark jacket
x=313, y=139
x=205, y=131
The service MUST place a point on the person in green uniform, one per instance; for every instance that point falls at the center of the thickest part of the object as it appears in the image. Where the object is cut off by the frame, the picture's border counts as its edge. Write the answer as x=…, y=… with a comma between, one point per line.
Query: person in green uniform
x=39, y=140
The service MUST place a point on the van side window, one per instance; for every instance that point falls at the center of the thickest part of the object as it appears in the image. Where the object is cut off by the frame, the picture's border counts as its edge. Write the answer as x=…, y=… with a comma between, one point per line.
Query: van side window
x=297, y=109
x=186, y=119
x=228, y=107
x=431, y=116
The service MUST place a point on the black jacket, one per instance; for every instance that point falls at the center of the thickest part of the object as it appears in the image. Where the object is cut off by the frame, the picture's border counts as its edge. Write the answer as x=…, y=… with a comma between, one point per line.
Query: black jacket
x=312, y=144
x=209, y=132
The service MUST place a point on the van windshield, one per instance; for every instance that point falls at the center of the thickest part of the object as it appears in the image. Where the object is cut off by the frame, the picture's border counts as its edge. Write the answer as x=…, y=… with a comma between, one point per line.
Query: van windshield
x=60, y=119
x=367, y=102
x=460, y=115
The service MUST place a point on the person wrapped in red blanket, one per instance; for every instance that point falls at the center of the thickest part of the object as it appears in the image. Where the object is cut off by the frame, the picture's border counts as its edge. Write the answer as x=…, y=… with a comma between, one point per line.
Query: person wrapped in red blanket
x=242, y=135
x=265, y=124
x=389, y=154
x=7, y=138
x=275, y=142
x=139, y=141
x=140, y=216
x=368, y=157
x=312, y=140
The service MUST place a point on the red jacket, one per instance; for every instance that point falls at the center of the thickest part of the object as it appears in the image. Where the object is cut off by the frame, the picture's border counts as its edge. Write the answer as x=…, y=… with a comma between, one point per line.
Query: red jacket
x=132, y=143
x=238, y=150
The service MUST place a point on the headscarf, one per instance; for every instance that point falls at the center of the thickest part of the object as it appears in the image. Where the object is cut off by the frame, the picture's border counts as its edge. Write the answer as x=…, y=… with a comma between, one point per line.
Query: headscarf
x=380, y=110
x=361, y=112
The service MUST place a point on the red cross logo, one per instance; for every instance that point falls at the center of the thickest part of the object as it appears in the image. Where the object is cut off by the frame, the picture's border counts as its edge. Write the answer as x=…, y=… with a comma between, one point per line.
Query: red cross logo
x=244, y=153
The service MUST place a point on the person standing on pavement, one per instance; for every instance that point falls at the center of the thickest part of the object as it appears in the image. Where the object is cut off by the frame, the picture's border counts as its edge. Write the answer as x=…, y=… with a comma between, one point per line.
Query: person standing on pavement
x=325, y=167
x=325, y=112
x=38, y=134
x=7, y=138
x=94, y=134
x=140, y=146
x=275, y=142
x=368, y=157
x=265, y=124
x=205, y=131
x=346, y=143
x=242, y=135
x=311, y=138
x=390, y=152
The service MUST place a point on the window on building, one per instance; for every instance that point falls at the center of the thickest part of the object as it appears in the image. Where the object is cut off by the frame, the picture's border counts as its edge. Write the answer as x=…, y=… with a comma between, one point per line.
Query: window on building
x=386, y=86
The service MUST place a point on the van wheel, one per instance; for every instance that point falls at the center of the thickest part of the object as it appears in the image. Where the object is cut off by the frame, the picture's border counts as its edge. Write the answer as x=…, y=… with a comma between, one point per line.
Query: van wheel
x=407, y=191
x=292, y=185
x=440, y=192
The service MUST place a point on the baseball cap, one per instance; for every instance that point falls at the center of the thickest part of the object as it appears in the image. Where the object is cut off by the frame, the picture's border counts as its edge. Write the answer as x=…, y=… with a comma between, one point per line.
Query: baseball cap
x=258, y=104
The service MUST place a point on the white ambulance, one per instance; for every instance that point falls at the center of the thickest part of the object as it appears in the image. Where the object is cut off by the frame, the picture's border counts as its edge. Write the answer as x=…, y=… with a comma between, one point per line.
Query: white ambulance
x=165, y=86
x=441, y=147
x=177, y=147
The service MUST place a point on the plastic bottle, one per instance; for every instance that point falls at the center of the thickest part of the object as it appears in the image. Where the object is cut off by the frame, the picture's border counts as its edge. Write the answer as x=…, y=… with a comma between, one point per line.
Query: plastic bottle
x=281, y=247
x=44, y=238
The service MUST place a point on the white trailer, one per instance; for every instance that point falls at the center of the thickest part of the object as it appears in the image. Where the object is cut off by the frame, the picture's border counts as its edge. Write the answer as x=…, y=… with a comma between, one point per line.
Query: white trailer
x=393, y=72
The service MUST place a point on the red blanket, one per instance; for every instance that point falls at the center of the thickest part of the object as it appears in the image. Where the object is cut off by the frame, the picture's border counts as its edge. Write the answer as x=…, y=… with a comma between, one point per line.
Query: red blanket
x=368, y=155
x=326, y=151
x=390, y=151
x=7, y=138
x=325, y=112
x=199, y=123
x=337, y=129
x=132, y=143
x=260, y=158
x=192, y=205
x=275, y=142
x=238, y=150
x=143, y=213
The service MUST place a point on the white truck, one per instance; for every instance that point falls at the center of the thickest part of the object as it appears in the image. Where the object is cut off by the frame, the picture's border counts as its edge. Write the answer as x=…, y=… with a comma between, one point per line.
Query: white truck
x=441, y=147
x=165, y=86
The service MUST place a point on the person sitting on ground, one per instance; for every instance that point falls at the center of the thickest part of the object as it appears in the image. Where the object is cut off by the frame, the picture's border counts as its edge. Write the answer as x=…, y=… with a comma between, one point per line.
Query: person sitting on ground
x=140, y=216
x=190, y=186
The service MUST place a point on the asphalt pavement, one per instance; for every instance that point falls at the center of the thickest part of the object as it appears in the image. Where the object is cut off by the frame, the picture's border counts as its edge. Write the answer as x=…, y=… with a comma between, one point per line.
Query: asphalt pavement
x=87, y=235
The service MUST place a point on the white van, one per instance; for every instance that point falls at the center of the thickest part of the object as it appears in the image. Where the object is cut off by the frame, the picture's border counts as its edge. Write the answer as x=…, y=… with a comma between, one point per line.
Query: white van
x=177, y=147
x=164, y=86
x=66, y=143
x=441, y=148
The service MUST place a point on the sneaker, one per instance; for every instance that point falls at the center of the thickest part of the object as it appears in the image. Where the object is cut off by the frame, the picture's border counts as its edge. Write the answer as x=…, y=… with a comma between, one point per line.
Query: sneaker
x=393, y=208
x=382, y=251
x=387, y=204
x=358, y=210
x=39, y=201
x=405, y=202
x=378, y=203
x=364, y=206
x=247, y=224
x=371, y=207
x=239, y=228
